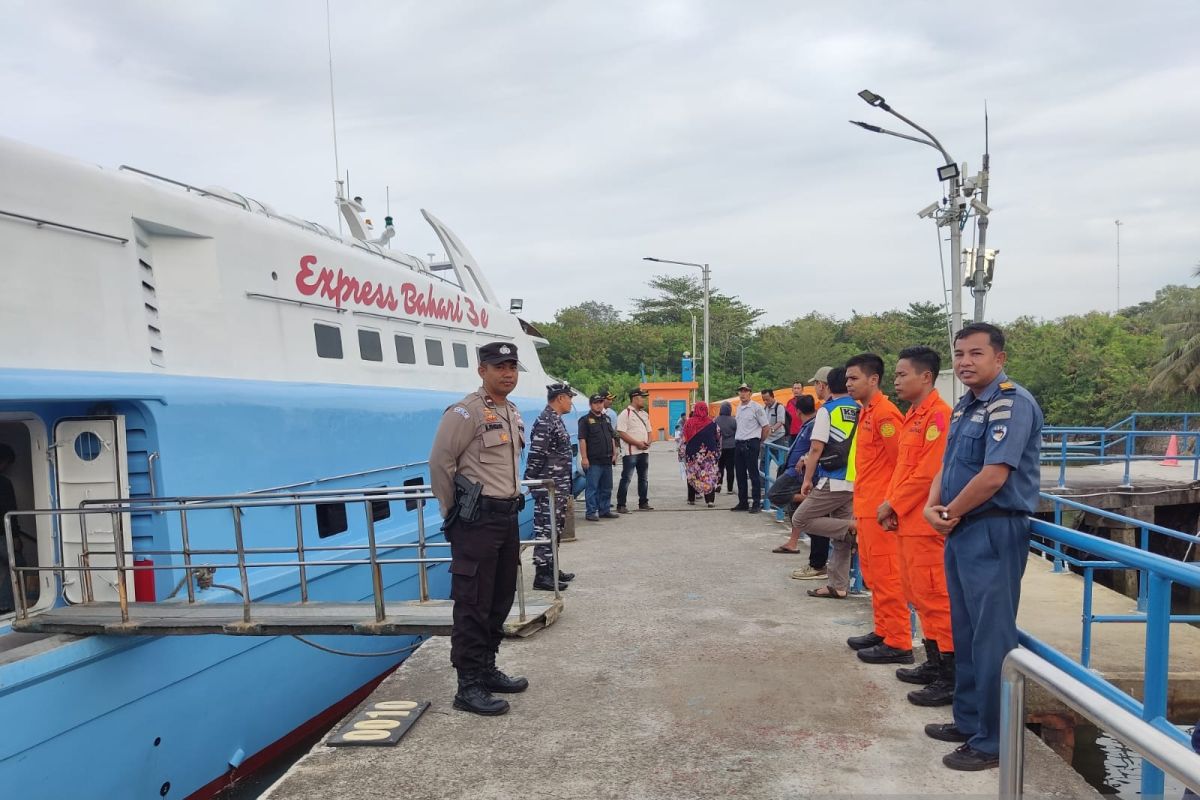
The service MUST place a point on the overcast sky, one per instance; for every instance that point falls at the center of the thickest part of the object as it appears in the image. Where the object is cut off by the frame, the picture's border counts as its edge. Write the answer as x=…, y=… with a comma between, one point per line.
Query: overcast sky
x=563, y=141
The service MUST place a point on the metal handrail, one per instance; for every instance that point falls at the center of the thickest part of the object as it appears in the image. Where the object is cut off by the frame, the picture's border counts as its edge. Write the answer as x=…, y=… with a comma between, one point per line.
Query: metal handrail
x=1160, y=574
x=1063, y=452
x=1155, y=746
x=236, y=504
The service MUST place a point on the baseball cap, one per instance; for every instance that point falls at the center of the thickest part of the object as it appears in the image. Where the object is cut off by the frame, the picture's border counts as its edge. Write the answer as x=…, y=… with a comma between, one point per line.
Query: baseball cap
x=745, y=387
x=639, y=392
x=559, y=387
x=596, y=398
x=821, y=376
x=497, y=353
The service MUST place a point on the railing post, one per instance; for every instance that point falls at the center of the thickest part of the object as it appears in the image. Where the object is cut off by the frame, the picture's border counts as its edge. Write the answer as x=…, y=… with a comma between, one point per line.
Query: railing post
x=1062, y=464
x=86, y=578
x=300, y=550
x=1126, y=480
x=1154, y=678
x=119, y=553
x=1012, y=733
x=241, y=563
x=1143, y=584
x=1085, y=646
x=376, y=569
x=422, y=578
x=187, y=555
x=1060, y=565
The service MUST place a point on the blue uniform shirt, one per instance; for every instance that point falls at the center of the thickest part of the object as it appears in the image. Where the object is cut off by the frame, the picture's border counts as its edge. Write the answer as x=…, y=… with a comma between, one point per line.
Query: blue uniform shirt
x=799, y=449
x=1003, y=425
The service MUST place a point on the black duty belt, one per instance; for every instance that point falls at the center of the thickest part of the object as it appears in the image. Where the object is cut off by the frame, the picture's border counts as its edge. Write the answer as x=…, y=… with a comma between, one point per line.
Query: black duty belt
x=500, y=505
x=994, y=513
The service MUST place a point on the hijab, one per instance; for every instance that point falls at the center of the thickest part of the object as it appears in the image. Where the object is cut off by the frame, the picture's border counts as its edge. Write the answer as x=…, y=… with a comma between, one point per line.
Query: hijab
x=697, y=421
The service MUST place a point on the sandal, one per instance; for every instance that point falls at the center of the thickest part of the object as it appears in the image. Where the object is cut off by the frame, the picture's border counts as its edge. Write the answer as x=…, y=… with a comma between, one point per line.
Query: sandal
x=826, y=592
x=782, y=549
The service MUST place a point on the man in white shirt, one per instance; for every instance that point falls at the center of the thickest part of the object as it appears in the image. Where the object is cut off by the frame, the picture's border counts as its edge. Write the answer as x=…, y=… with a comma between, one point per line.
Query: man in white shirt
x=753, y=426
x=777, y=433
x=633, y=428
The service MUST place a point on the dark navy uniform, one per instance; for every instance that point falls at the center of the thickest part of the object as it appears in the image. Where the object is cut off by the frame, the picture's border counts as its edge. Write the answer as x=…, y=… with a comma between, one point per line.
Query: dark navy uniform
x=549, y=457
x=986, y=552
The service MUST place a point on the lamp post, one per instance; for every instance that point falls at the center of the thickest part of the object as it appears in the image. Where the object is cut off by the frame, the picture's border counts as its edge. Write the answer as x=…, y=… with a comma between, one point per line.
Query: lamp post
x=951, y=217
x=743, y=362
x=707, y=273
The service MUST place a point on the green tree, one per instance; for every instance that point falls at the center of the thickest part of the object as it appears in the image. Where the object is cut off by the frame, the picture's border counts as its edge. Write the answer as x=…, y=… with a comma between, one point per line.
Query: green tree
x=1178, y=312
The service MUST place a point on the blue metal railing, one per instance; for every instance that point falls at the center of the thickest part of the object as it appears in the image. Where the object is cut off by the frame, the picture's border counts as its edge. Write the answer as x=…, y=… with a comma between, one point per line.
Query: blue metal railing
x=1158, y=574
x=1118, y=443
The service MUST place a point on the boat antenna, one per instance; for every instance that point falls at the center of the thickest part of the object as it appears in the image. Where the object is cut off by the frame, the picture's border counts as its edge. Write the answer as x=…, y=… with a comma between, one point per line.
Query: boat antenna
x=337, y=167
x=388, y=212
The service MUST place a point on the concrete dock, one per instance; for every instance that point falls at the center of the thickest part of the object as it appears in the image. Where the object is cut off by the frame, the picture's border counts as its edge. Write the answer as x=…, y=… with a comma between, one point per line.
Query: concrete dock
x=686, y=664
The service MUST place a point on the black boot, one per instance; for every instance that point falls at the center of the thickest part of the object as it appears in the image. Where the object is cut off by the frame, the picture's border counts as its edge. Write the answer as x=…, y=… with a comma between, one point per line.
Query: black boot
x=543, y=579
x=941, y=691
x=474, y=697
x=496, y=681
x=927, y=672
x=566, y=577
x=863, y=642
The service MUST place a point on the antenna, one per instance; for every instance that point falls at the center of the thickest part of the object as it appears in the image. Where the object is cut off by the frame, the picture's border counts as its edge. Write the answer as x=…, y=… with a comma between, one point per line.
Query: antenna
x=388, y=212
x=337, y=167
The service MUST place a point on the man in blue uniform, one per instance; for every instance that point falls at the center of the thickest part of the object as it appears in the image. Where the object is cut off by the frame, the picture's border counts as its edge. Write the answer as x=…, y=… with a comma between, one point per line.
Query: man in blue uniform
x=981, y=500
x=550, y=457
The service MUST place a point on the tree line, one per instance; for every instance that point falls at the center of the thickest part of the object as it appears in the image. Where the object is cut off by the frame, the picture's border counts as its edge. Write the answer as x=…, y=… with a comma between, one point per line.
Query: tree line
x=1088, y=369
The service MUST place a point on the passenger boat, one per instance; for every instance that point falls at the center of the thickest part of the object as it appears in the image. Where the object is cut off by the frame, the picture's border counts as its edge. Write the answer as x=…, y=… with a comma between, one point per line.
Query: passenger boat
x=166, y=340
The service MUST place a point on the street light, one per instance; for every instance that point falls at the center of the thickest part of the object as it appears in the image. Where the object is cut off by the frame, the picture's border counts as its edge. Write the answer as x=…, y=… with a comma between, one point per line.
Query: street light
x=948, y=173
x=707, y=273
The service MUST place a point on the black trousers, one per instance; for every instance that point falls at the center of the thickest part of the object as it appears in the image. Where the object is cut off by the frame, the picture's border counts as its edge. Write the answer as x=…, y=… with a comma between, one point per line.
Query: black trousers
x=818, y=551
x=711, y=497
x=745, y=464
x=725, y=468
x=483, y=582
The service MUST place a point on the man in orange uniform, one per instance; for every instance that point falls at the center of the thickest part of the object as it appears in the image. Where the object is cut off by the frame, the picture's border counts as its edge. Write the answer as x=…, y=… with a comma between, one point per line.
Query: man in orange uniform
x=875, y=448
x=922, y=557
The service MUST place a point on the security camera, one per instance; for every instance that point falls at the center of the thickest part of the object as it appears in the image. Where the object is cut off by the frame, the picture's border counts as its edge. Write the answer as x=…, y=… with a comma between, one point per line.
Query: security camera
x=928, y=211
x=980, y=207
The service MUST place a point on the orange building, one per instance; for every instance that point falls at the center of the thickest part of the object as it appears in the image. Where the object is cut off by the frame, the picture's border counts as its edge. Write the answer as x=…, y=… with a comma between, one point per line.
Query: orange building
x=668, y=401
x=783, y=395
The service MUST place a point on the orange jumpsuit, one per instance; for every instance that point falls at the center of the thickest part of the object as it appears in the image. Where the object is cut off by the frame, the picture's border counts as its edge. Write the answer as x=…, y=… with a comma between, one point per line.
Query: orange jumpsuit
x=922, y=444
x=876, y=449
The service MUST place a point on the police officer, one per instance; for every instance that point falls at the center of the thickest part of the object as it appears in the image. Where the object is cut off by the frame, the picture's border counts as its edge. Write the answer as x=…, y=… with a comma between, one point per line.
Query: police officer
x=550, y=457
x=480, y=438
x=981, y=500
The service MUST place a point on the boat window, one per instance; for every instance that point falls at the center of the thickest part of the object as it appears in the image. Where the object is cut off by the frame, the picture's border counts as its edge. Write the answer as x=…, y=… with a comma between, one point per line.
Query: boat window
x=369, y=346
x=406, y=352
x=411, y=505
x=331, y=519
x=433, y=353
x=460, y=355
x=329, y=340
x=380, y=509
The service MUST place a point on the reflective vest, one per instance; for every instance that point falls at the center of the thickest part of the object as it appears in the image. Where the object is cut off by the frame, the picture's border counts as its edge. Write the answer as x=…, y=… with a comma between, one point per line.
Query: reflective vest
x=843, y=414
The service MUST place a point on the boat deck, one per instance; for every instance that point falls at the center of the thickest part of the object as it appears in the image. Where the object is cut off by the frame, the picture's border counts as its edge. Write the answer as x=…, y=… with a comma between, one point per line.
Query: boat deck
x=686, y=664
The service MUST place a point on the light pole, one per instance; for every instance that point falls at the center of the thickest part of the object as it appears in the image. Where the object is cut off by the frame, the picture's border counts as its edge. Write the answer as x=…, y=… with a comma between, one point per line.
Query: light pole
x=1118, y=224
x=707, y=273
x=743, y=362
x=952, y=217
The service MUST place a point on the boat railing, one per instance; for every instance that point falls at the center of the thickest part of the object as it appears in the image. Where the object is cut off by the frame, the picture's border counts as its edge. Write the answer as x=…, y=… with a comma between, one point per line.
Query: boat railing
x=1088, y=688
x=197, y=562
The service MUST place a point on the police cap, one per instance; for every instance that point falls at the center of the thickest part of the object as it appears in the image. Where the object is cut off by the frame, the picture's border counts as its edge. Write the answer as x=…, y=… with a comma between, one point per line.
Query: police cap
x=639, y=392
x=559, y=387
x=497, y=353
x=596, y=398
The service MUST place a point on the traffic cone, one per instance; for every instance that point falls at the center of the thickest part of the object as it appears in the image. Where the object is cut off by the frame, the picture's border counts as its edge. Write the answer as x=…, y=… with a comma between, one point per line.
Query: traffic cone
x=1172, y=454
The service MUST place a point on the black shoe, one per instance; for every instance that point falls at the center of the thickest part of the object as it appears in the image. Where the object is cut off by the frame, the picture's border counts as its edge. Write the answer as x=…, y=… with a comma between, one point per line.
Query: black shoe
x=591, y=518
x=645, y=507
x=929, y=671
x=691, y=502
x=610, y=515
x=968, y=759
x=474, y=697
x=945, y=732
x=755, y=509
x=566, y=577
x=863, y=642
x=496, y=681
x=543, y=580
x=938, y=693
x=885, y=654
x=622, y=510
x=740, y=507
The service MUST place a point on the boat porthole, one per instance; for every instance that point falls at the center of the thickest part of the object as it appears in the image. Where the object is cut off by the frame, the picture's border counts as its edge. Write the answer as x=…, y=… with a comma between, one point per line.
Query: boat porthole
x=274, y=276
x=157, y=741
x=166, y=787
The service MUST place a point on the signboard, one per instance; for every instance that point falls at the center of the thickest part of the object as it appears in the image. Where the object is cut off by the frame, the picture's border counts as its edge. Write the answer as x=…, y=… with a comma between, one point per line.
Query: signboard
x=380, y=724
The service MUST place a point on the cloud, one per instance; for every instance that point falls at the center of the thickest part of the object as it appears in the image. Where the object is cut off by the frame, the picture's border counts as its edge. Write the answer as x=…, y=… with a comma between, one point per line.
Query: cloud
x=564, y=141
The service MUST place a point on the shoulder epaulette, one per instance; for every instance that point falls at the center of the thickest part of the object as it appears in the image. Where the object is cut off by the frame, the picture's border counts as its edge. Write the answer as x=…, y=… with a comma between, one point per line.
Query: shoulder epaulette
x=1008, y=386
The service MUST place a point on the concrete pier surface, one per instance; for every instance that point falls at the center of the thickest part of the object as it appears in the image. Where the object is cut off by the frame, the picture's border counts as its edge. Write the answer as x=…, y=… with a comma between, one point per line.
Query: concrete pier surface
x=686, y=664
